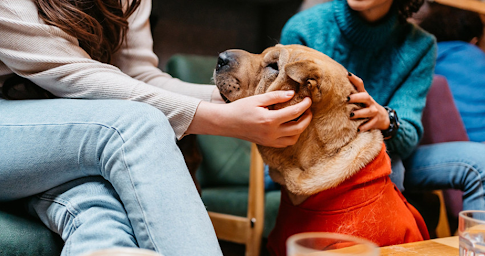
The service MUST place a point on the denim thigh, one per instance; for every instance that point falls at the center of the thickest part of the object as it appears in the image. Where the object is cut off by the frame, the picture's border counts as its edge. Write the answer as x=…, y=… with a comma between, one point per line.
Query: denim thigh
x=87, y=213
x=455, y=165
x=46, y=143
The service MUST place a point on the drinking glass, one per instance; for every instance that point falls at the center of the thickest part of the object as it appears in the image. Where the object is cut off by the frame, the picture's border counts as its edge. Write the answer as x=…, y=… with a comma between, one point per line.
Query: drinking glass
x=329, y=244
x=471, y=229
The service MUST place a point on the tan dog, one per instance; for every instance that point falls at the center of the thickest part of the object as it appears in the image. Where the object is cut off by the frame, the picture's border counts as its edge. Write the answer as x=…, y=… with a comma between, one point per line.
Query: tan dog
x=330, y=150
x=330, y=161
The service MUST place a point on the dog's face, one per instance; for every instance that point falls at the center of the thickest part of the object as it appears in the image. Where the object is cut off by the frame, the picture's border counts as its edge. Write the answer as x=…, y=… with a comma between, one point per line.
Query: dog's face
x=308, y=72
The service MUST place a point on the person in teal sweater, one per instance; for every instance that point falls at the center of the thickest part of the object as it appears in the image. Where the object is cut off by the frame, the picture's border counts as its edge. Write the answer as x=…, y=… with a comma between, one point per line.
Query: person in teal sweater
x=396, y=60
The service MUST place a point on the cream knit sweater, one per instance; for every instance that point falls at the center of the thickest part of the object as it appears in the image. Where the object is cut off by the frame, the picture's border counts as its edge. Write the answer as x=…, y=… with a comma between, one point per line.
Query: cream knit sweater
x=53, y=60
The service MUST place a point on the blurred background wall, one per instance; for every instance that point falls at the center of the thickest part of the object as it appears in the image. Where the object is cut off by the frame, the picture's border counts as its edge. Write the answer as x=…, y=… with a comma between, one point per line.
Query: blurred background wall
x=208, y=27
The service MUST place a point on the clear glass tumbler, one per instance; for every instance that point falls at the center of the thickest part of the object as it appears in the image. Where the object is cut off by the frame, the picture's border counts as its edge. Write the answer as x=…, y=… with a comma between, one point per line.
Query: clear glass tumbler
x=471, y=229
x=329, y=244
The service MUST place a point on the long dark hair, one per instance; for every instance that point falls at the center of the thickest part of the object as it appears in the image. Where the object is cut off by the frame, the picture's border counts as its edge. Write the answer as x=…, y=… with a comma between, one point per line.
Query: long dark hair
x=99, y=25
x=406, y=8
x=448, y=23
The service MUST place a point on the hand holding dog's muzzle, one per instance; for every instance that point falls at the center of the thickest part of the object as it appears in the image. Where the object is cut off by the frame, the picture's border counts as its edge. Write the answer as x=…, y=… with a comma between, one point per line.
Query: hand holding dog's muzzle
x=250, y=119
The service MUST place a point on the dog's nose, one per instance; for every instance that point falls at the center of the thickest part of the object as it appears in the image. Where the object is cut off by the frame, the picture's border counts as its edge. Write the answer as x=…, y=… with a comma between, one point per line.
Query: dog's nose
x=223, y=60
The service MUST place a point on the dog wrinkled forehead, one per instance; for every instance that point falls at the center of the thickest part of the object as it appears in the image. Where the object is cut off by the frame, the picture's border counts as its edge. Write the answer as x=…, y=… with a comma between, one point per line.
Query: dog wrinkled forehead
x=284, y=54
x=277, y=53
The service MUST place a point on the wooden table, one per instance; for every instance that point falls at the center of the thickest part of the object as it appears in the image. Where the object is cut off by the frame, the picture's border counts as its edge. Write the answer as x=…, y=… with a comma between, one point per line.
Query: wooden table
x=436, y=247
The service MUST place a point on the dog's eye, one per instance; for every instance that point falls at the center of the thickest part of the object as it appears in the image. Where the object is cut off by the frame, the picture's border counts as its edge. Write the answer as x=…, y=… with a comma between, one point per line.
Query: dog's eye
x=273, y=65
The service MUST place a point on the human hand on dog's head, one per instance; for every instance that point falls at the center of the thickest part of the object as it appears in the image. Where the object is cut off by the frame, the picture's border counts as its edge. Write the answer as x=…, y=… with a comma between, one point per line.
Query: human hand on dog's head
x=251, y=119
x=377, y=115
x=273, y=128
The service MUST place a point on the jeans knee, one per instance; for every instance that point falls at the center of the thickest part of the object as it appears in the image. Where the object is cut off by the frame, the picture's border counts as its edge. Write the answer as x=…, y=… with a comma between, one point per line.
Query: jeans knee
x=136, y=117
x=471, y=179
x=90, y=200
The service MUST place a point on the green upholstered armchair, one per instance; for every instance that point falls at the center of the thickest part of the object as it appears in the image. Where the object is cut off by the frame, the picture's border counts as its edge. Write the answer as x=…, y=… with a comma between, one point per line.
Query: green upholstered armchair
x=22, y=235
x=228, y=165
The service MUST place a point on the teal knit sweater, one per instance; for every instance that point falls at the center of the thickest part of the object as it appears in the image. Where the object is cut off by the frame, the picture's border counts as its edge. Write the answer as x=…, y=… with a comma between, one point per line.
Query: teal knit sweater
x=395, y=60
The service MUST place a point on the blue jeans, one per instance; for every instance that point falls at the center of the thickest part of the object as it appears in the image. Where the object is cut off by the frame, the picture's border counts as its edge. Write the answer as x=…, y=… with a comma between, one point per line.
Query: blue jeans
x=456, y=165
x=451, y=165
x=106, y=173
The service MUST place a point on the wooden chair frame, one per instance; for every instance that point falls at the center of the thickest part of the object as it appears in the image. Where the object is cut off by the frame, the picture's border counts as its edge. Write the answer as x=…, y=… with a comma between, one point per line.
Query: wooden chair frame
x=246, y=230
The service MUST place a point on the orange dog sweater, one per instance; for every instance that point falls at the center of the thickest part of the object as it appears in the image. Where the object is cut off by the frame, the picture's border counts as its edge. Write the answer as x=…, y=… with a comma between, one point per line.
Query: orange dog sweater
x=367, y=205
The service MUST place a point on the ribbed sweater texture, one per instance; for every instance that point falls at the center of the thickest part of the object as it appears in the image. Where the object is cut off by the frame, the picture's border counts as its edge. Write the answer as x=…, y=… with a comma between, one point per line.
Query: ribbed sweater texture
x=395, y=60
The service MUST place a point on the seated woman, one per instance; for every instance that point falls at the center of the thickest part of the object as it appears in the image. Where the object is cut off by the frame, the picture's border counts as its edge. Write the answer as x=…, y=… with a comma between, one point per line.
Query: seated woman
x=99, y=161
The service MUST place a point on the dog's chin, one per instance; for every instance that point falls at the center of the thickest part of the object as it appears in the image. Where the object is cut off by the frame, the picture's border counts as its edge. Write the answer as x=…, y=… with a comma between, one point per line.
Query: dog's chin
x=225, y=99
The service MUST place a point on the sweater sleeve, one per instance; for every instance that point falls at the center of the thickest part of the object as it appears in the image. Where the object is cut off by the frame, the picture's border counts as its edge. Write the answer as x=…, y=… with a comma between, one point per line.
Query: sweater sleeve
x=53, y=60
x=409, y=101
x=137, y=59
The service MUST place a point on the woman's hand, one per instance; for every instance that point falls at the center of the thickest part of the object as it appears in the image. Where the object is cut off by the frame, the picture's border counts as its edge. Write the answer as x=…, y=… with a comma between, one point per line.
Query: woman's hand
x=377, y=114
x=216, y=97
x=250, y=119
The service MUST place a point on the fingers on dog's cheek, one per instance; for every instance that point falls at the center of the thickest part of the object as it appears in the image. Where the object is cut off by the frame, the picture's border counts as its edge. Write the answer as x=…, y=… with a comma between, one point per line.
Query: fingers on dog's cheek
x=306, y=118
x=358, y=114
x=299, y=109
x=290, y=140
x=301, y=126
x=293, y=139
x=305, y=103
x=359, y=98
x=351, y=98
x=368, y=125
x=295, y=128
x=357, y=82
x=374, y=111
x=285, y=142
x=274, y=97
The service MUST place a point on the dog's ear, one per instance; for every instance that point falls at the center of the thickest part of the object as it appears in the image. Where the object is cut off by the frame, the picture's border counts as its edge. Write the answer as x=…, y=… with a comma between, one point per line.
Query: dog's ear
x=306, y=73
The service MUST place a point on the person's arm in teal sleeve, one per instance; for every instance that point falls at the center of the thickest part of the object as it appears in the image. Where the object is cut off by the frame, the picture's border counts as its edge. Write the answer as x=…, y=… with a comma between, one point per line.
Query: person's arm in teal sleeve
x=291, y=36
x=409, y=102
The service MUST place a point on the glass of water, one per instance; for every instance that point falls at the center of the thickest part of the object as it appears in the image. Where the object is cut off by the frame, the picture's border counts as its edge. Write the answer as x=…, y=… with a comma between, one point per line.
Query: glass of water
x=471, y=228
x=329, y=244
